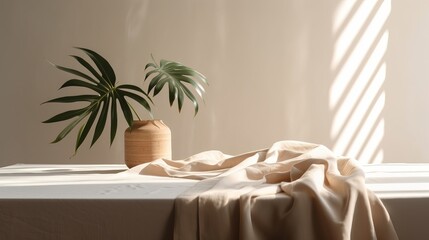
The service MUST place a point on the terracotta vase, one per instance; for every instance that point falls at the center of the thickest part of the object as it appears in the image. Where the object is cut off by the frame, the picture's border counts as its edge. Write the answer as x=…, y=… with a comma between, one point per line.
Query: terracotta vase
x=146, y=141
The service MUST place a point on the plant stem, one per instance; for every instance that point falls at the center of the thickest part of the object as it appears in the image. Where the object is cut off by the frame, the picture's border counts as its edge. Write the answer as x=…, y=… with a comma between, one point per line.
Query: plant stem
x=153, y=59
x=135, y=112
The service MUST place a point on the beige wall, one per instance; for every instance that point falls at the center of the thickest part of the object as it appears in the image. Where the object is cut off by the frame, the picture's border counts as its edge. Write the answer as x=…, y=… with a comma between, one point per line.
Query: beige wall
x=347, y=74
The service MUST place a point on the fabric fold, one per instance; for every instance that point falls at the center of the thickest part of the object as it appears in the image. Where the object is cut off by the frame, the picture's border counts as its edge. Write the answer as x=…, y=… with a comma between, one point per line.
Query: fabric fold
x=292, y=190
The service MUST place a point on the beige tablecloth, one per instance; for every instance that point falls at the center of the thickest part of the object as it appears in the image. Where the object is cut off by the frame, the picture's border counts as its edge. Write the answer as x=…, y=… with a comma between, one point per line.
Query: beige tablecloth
x=292, y=190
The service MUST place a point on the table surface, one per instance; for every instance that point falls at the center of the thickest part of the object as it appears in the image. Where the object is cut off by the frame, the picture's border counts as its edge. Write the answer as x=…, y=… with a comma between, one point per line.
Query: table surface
x=112, y=181
x=86, y=200
x=398, y=180
x=88, y=181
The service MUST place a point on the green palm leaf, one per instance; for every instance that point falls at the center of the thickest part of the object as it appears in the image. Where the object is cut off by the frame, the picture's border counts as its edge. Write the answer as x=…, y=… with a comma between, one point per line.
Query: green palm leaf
x=76, y=98
x=101, y=82
x=101, y=121
x=178, y=78
x=80, y=83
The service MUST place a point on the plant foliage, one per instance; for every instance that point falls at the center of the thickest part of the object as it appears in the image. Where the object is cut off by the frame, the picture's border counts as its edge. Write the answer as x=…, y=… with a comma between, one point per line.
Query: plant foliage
x=178, y=78
x=105, y=94
x=104, y=98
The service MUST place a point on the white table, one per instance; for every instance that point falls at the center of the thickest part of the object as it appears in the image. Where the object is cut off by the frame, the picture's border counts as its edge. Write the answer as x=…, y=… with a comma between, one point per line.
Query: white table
x=85, y=202
x=404, y=190
x=102, y=202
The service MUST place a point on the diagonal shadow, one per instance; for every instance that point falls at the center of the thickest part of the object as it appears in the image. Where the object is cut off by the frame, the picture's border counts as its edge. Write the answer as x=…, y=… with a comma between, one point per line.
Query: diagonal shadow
x=357, y=91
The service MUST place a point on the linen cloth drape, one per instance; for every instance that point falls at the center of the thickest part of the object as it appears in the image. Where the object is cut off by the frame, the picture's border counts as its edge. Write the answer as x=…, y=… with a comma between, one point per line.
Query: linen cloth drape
x=292, y=190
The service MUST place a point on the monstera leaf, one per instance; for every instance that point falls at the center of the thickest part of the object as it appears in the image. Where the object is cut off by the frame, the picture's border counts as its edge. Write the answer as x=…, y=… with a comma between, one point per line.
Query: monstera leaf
x=178, y=78
x=103, y=98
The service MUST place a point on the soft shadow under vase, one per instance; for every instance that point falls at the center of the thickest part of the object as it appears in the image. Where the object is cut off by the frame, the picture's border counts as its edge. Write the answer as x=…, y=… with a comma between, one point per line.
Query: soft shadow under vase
x=146, y=141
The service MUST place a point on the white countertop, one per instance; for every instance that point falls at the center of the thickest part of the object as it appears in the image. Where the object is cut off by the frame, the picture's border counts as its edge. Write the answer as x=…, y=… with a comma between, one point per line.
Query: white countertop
x=105, y=181
x=71, y=181
x=65, y=196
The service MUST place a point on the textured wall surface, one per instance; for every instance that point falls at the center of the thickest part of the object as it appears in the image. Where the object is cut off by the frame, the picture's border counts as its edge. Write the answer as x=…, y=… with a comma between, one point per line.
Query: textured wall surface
x=352, y=75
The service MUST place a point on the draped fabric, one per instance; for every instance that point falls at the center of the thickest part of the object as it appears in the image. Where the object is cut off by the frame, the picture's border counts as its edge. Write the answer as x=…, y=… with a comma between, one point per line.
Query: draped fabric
x=292, y=190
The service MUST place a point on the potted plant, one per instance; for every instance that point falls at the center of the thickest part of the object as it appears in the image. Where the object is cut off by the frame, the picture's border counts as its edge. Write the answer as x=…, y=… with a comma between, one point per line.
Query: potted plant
x=145, y=140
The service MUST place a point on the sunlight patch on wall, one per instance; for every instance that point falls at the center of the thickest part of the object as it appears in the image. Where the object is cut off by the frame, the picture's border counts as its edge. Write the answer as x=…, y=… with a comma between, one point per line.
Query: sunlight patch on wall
x=356, y=95
x=351, y=30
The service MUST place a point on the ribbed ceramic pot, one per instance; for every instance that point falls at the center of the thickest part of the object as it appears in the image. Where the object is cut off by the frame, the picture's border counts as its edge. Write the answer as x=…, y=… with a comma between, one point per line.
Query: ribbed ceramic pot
x=146, y=141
